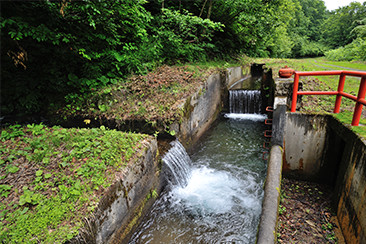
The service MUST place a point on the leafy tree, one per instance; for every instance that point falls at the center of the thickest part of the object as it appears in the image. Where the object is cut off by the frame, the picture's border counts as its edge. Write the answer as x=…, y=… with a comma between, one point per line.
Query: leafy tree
x=356, y=50
x=305, y=28
x=68, y=47
x=185, y=37
x=340, y=23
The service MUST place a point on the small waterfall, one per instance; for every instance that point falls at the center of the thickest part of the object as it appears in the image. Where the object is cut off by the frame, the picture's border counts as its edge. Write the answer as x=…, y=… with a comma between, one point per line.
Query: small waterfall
x=245, y=101
x=178, y=164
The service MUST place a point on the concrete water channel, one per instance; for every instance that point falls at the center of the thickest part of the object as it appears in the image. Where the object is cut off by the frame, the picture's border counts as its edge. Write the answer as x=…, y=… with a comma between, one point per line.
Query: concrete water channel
x=304, y=146
x=220, y=200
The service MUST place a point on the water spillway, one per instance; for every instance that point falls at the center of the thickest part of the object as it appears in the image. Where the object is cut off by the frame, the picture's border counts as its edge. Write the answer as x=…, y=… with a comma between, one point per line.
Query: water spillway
x=178, y=165
x=220, y=196
x=245, y=101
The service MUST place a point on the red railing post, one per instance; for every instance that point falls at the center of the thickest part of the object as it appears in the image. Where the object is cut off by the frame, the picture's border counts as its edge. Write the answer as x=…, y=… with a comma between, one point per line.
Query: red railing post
x=337, y=106
x=358, y=108
x=294, y=92
x=360, y=99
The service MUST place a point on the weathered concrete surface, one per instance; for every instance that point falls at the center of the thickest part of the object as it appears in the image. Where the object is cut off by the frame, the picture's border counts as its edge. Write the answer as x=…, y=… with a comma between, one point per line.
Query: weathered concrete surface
x=119, y=211
x=284, y=87
x=233, y=74
x=350, y=182
x=322, y=149
x=268, y=222
x=304, y=145
x=200, y=111
x=131, y=196
x=278, y=121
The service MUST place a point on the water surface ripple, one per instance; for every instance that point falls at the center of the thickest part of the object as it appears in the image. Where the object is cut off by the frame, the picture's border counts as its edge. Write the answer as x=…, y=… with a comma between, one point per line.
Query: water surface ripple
x=221, y=202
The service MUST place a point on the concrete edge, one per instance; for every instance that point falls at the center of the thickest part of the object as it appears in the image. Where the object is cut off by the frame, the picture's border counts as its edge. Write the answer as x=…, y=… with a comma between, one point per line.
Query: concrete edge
x=268, y=222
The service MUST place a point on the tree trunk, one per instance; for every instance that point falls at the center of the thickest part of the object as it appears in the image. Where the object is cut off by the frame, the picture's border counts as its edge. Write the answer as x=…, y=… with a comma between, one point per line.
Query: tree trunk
x=203, y=7
x=209, y=10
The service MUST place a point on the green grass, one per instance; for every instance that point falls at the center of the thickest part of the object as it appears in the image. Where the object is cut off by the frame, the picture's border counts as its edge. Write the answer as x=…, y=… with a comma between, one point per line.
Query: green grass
x=51, y=178
x=323, y=104
x=346, y=118
x=353, y=65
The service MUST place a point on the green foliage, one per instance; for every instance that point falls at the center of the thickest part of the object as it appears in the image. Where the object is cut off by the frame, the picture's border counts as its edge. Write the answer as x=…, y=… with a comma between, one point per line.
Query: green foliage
x=304, y=47
x=356, y=50
x=353, y=51
x=185, y=37
x=339, y=25
x=12, y=132
x=58, y=54
x=71, y=165
x=63, y=47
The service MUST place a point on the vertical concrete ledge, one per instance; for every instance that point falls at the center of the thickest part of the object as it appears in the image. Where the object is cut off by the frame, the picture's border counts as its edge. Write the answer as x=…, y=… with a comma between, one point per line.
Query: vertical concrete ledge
x=268, y=222
x=125, y=201
x=200, y=111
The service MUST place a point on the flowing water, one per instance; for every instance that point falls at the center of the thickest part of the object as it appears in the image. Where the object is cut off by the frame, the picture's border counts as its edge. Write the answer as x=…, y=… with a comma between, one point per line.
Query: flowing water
x=245, y=101
x=220, y=199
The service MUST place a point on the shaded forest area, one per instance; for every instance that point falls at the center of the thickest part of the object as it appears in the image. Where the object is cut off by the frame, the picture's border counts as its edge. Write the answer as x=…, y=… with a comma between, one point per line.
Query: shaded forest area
x=55, y=54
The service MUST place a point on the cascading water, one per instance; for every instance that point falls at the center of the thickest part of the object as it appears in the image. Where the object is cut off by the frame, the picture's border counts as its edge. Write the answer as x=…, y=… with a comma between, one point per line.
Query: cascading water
x=215, y=196
x=178, y=164
x=245, y=101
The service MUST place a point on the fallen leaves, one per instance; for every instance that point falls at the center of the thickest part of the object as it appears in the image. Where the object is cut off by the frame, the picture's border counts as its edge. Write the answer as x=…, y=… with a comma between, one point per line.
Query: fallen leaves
x=308, y=216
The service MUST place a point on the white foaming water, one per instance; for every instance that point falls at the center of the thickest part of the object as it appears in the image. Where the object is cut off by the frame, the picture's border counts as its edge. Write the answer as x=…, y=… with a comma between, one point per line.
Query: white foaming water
x=252, y=117
x=220, y=201
x=215, y=192
x=179, y=164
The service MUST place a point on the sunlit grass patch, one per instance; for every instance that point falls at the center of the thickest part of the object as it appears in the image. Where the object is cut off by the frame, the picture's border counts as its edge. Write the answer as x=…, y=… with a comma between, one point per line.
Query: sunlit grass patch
x=324, y=104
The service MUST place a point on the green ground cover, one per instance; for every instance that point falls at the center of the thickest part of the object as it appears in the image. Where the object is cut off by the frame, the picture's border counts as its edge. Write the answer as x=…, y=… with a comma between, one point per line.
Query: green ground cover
x=51, y=178
x=324, y=104
x=155, y=98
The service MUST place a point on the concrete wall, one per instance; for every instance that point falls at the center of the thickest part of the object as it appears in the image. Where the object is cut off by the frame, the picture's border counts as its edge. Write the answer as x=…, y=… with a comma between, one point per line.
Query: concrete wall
x=234, y=74
x=200, y=111
x=349, y=153
x=304, y=142
x=125, y=203
x=322, y=149
x=119, y=211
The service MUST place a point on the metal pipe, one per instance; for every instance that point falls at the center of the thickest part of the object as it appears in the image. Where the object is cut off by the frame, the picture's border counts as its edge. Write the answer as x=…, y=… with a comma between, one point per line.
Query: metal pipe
x=358, y=108
x=337, y=106
x=354, y=98
x=294, y=92
x=360, y=99
x=317, y=93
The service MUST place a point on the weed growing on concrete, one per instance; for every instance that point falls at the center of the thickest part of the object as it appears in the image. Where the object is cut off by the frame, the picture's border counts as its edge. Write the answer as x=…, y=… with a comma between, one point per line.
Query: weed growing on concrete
x=50, y=178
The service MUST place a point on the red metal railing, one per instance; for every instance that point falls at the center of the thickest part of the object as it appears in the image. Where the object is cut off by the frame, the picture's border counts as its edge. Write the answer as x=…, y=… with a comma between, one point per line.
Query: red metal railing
x=359, y=99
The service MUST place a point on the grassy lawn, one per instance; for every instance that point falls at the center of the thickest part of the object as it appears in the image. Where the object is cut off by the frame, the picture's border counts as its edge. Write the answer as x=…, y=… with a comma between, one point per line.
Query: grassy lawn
x=324, y=104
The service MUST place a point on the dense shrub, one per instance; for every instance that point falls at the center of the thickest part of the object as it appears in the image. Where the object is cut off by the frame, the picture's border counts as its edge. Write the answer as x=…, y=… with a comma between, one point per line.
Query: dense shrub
x=54, y=52
x=353, y=51
x=184, y=37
